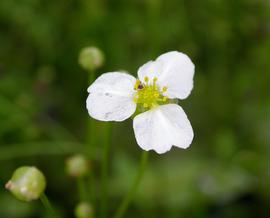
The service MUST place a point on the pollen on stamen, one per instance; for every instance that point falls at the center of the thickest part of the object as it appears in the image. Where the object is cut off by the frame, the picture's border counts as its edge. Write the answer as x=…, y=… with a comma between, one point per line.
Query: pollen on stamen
x=149, y=94
x=137, y=84
x=146, y=79
x=164, y=89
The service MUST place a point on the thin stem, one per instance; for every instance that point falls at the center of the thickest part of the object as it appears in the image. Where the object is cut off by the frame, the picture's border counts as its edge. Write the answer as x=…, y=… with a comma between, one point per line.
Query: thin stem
x=90, y=126
x=104, y=172
x=82, y=189
x=90, y=150
x=47, y=204
x=126, y=201
x=93, y=187
x=92, y=74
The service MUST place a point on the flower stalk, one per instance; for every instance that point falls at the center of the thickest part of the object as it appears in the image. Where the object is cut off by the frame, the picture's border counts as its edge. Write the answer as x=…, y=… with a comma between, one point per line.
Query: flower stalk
x=128, y=198
x=104, y=171
x=82, y=189
x=48, y=206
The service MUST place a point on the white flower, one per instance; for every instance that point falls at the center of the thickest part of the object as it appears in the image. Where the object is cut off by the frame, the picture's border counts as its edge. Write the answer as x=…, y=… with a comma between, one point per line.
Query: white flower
x=160, y=123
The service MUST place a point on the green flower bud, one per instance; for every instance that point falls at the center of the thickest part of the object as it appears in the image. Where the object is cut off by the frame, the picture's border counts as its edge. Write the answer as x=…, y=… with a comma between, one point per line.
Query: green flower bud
x=77, y=166
x=84, y=210
x=91, y=58
x=27, y=183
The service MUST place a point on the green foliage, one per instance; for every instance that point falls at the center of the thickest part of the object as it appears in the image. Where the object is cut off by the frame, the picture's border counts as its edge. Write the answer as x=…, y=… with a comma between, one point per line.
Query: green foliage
x=225, y=173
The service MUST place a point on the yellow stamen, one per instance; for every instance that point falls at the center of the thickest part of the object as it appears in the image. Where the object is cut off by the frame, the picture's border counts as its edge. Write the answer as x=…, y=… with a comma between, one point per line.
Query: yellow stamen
x=138, y=82
x=164, y=89
x=146, y=79
x=151, y=95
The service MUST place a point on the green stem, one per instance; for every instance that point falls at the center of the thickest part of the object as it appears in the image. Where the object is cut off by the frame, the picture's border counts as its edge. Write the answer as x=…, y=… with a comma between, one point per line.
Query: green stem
x=126, y=201
x=82, y=189
x=93, y=187
x=92, y=74
x=104, y=171
x=47, y=204
x=91, y=127
x=90, y=150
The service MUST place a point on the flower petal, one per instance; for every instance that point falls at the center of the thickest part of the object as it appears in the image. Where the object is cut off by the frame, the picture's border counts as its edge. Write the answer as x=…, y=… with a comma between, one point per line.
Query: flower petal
x=177, y=74
x=161, y=128
x=151, y=70
x=111, y=97
x=174, y=70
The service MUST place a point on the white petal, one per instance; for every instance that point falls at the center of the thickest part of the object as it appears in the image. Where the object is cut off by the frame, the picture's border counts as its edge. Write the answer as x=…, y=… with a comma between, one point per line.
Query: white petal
x=151, y=70
x=163, y=127
x=174, y=70
x=111, y=97
x=177, y=74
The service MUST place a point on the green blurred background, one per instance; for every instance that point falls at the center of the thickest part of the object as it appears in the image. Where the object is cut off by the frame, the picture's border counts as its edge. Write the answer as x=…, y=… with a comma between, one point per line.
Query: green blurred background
x=43, y=118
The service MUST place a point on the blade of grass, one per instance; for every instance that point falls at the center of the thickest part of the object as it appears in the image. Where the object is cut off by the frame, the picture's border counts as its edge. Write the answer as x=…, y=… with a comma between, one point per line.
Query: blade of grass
x=27, y=149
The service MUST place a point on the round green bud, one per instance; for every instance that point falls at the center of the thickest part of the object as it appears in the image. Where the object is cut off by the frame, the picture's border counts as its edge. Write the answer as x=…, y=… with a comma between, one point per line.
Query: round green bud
x=27, y=183
x=84, y=210
x=91, y=58
x=77, y=165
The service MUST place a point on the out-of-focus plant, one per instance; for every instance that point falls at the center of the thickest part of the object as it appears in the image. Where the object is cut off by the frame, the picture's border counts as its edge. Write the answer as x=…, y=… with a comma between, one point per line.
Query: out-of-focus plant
x=28, y=184
x=84, y=210
x=91, y=58
x=77, y=166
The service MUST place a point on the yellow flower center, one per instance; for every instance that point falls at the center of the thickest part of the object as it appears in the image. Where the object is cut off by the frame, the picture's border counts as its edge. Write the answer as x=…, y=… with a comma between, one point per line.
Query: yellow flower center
x=149, y=94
